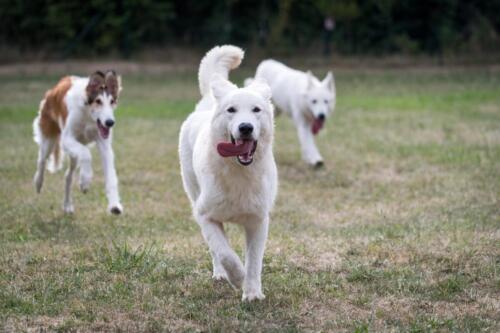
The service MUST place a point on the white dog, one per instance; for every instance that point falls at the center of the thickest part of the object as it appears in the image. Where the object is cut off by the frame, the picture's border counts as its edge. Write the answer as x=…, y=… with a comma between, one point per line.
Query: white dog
x=76, y=112
x=228, y=168
x=304, y=98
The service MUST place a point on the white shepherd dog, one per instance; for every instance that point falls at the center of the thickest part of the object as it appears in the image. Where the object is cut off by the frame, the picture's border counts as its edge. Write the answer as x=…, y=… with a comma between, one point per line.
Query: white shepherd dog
x=228, y=167
x=304, y=98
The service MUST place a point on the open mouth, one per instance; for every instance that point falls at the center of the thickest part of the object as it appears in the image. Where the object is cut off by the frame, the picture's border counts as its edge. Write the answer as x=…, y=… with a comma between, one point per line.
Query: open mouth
x=243, y=149
x=317, y=125
x=103, y=130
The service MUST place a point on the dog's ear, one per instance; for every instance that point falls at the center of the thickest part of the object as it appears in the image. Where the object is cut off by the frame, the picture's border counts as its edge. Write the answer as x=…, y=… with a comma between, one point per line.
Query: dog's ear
x=260, y=86
x=220, y=86
x=329, y=82
x=113, y=83
x=95, y=86
x=310, y=81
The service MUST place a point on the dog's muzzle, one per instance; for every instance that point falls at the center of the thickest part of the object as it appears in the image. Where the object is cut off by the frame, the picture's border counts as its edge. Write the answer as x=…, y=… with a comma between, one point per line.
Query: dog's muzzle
x=243, y=149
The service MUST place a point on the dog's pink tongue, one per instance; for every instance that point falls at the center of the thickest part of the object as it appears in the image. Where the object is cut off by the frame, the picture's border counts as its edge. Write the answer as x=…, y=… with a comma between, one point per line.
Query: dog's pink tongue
x=104, y=131
x=228, y=149
x=317, y=125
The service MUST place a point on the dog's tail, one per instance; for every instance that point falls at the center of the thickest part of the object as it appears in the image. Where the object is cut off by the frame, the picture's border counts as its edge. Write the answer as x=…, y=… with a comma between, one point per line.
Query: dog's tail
x=220, y=60
x=56, y=156
x=37, y=133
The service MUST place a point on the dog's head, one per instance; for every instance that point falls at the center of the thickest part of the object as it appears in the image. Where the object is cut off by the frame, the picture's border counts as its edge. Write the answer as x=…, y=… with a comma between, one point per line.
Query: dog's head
x=319, y=98
x=243, y=118
x=102, y=92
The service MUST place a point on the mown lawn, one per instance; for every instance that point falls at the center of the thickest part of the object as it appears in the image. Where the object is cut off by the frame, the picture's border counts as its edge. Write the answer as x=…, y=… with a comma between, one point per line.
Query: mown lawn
x=399, y=232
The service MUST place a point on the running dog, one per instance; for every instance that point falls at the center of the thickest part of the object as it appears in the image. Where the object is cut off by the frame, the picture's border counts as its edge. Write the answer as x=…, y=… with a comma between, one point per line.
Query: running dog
x=74, y=113
x=228, y=167
x=304, y=98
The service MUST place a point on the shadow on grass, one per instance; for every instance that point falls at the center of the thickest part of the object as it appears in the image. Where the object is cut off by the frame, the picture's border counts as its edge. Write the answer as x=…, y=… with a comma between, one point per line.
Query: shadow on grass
x=62, y=226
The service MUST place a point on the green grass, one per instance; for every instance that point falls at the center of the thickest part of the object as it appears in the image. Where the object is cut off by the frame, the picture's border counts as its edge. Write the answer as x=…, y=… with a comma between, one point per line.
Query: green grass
x=399, y=232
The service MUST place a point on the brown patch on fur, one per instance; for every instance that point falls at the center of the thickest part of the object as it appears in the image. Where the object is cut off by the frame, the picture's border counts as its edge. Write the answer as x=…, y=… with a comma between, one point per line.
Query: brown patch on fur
x=53, y=110
x=95, y=86
x=112, y=84
x=100, y=83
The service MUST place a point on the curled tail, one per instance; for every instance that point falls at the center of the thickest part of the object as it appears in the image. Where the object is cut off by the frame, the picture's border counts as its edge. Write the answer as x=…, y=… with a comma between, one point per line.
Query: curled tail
x=220, y=60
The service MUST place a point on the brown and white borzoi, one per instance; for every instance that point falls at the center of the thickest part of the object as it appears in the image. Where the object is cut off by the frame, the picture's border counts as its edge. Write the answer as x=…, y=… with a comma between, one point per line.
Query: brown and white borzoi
x=74, y=113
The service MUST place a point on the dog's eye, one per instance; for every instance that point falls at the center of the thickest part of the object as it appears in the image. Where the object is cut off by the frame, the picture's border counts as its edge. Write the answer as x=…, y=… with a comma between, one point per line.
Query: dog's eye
x=326, y=101
x=231, y=110
x=314, y=101
x=98, y=101
x=256, y=109
x=114, y=102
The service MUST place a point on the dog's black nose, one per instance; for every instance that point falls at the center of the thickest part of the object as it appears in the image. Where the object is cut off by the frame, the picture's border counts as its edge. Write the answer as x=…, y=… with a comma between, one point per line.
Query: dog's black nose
x=321, y=116
x=109, y=123
x=245, y=128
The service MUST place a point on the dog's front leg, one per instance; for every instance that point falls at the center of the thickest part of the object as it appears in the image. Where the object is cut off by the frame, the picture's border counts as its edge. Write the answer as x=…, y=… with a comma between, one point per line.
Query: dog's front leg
x=310, y=152
x=256, y=235
x=110, y=178
x=82, y=154
x=218, y=271
x=221, y=250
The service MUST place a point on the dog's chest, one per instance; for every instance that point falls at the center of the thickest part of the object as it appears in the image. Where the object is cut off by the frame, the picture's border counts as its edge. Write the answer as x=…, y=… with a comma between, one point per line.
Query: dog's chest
x=236, y=199
x=86, y=133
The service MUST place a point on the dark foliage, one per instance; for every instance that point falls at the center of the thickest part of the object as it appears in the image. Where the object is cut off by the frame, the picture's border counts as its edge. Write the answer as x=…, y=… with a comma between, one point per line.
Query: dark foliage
x=361, y=26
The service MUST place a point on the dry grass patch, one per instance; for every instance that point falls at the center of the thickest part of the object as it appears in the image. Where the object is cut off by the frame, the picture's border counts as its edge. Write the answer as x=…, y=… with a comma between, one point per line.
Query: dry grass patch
x=398, y=232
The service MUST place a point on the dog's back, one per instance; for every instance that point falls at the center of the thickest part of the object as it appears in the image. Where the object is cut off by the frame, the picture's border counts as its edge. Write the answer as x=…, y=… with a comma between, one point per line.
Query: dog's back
x=51, y=118
x=286, y=83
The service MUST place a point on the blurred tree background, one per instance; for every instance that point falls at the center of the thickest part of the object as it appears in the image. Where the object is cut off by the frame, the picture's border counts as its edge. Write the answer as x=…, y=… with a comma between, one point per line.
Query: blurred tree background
x=65, y=28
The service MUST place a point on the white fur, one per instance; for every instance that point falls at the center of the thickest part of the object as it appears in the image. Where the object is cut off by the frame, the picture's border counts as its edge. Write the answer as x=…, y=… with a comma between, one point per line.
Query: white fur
x=80, y=130
x=293, y=93
x=220, y=189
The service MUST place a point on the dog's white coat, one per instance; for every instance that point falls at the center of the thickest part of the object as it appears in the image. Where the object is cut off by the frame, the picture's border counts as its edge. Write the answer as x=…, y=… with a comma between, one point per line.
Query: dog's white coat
x=220, y=189
x=302, y=97
x=80, y=130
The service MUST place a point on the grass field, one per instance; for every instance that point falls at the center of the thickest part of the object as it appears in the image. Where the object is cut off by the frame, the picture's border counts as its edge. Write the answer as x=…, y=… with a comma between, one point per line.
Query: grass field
x=399, y=232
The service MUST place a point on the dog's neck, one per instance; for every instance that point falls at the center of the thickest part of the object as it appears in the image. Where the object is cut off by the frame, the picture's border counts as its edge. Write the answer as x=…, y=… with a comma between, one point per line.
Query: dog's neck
x=304, y=108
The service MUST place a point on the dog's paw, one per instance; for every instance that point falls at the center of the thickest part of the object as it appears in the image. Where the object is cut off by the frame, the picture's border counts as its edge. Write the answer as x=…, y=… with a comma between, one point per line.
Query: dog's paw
x=219, y=274
x=68, y=208
x=316, y=162
x=115, y=209
x=234, y=269
x=85, y=182
x=254, y=295
x=319, y=165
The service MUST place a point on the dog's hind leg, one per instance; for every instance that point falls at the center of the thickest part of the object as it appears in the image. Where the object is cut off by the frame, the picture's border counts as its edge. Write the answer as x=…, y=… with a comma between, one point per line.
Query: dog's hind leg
x=68, y=202
x=256, y=235
x=223, y=256
x=55, y=160
x=46, y=147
